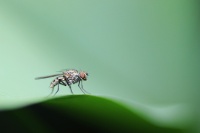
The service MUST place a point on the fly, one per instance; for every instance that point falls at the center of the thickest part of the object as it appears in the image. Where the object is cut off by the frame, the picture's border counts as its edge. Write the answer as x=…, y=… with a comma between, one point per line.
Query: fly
x=67, y=78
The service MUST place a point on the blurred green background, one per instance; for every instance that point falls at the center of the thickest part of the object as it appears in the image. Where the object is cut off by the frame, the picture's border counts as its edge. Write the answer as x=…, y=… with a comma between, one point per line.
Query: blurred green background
x=136, y=51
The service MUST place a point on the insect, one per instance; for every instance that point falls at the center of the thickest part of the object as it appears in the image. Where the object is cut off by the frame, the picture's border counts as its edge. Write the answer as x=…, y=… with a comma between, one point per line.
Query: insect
x=67, y=78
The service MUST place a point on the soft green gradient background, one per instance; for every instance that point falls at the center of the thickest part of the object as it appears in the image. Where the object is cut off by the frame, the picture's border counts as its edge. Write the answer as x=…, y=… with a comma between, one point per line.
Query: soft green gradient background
x=139, y=51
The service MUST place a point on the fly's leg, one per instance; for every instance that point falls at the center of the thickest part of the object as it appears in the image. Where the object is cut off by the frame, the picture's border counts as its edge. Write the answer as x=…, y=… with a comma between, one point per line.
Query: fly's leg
x=57, y=89
x=80, y=87
x=51, y=92
x=69, y=85
x=60, y=82
x=70, y=89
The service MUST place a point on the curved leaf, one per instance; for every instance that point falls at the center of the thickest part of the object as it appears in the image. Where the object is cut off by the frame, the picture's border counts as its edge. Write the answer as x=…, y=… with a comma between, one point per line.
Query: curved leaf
x=77, y=113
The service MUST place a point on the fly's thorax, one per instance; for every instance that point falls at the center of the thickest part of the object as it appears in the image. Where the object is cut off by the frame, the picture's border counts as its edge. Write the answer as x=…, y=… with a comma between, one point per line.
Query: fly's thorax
x=71, y=71
x=70, y=75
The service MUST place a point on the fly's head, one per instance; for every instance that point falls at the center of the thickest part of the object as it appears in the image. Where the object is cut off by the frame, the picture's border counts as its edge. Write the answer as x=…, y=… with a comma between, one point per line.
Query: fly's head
x=83, y=75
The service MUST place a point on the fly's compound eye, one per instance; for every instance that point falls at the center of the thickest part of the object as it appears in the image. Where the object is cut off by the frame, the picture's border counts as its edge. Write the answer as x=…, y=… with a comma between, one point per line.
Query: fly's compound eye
x=82, y=75
x=85, y=77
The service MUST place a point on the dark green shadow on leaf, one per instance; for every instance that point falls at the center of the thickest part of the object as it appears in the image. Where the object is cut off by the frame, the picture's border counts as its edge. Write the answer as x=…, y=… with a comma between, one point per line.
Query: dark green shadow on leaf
x=78, y=113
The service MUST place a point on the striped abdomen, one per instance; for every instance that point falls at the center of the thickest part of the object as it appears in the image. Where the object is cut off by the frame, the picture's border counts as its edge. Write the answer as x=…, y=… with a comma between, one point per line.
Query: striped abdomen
x=56, y=81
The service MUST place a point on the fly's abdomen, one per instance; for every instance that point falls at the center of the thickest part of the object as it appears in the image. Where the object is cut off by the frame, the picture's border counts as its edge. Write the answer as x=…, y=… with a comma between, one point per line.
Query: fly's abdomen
x=56, y=81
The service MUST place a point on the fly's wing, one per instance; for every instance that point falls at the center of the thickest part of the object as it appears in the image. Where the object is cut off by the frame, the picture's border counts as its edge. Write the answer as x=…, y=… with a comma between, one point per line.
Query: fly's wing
x=67, y=70
x=63, y=70
x=43, y=77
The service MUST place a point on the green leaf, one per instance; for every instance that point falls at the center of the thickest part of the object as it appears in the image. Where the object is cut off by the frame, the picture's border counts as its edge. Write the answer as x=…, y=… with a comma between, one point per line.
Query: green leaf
x=82, y=113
